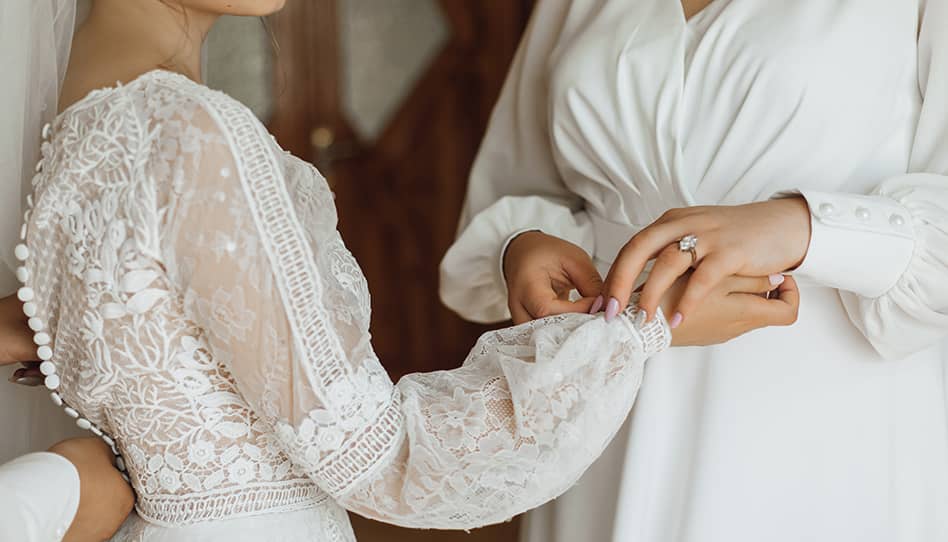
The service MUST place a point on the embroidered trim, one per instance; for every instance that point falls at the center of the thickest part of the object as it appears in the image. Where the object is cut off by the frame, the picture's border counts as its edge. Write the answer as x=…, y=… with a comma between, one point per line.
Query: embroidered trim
x=177, y=510
x=300, y=285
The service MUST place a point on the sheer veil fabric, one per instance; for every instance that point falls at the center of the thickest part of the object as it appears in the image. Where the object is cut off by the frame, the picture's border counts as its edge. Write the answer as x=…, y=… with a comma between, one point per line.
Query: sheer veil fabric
x=35, y=38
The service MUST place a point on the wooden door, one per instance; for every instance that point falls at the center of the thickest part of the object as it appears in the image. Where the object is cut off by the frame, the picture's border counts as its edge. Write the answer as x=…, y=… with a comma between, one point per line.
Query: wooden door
x=399, y=195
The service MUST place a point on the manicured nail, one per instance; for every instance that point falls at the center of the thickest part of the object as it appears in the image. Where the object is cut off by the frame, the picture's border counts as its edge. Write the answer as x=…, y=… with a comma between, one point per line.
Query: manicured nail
x=676, y=320
x=776, y=279
x=612, y=309
x=597, y=304
x=32, y=381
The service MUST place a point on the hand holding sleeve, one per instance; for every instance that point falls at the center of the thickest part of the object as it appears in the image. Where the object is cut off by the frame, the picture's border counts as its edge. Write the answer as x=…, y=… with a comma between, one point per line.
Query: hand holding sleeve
x=284, y=305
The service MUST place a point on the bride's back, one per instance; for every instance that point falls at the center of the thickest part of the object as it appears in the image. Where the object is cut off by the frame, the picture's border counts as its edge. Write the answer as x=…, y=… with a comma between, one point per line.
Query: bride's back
x=132, y=360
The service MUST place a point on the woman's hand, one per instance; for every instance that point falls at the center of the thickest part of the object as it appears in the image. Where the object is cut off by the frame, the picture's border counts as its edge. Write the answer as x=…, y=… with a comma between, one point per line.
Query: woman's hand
x=733, y=307
x=105, y=498
x=757, y=239
x=541, y=271
x=16, y=342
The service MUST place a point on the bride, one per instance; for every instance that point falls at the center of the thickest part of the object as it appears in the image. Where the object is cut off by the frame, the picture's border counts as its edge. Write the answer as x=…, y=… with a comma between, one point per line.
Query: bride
x=192, y=304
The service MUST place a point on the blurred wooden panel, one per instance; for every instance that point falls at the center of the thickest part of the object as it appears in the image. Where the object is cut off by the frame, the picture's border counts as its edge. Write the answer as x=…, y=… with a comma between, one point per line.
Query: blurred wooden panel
x=399, y=196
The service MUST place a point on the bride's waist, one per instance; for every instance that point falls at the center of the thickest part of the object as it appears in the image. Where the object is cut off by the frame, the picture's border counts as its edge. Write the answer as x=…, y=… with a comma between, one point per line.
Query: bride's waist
x=173, y=510
x=327, y=522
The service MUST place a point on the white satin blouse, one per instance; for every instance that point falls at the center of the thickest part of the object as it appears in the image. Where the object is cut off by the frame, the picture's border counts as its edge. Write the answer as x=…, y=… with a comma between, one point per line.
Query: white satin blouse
x=616, y=110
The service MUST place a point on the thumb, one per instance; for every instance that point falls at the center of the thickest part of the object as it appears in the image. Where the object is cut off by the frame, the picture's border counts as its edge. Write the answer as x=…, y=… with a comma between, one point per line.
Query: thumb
x=583, y=274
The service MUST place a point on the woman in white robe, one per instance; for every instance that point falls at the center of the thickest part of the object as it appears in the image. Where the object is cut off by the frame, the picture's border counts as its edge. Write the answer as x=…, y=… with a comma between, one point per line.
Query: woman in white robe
x=616, y=111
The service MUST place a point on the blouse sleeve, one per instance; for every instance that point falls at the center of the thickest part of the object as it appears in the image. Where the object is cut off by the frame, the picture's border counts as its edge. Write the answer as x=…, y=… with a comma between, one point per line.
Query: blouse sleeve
x=514, y=184
x=39, y=497
x=887, y=252
x=251, y=241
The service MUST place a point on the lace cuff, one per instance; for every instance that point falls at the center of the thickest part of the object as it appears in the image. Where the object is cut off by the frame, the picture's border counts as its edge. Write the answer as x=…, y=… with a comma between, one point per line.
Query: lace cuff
x=655, y=335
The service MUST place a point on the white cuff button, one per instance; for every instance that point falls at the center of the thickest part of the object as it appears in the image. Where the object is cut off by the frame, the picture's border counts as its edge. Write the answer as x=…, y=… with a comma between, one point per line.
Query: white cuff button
x=863, y=214
x=826, y=209
x=897, y=220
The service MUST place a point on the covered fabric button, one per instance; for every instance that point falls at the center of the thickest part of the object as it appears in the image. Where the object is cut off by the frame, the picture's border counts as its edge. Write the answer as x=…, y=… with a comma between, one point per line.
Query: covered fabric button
x=120, y=463
x=47, y=368
x=896, y=220
x=71, y=412
x=827, y=209
x=52, y=382
x=44, y=353
x=25, y=294
x=84, y=424
x=22, y=252
x=863, y=214
x=36, y=324
x=56, y=398
x=22, y=274
x=47, y=128
x=41, y=339
x=29, y=309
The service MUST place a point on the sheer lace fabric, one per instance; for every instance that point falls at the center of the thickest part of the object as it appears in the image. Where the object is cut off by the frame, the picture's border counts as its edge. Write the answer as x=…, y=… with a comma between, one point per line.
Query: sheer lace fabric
x=206, y=311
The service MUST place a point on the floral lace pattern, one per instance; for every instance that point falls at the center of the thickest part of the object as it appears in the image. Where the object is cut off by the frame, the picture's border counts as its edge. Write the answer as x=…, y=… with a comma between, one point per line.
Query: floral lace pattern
x=208, y=314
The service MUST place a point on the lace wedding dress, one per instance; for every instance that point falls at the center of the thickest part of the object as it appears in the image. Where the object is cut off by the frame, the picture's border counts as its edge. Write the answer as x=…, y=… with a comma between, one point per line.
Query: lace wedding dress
x=205, y=314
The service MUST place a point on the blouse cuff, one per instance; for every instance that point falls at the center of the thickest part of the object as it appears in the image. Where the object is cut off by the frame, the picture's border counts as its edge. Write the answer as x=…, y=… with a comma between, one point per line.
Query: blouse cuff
x=860, y=244
x=40, y=496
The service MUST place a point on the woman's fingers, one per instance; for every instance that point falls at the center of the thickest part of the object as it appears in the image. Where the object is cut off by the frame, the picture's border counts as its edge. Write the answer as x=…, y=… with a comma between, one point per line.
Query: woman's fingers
x=670, y=264
x=643, y=246
x=28, y=376
x=583, y=275
x=709, y=273
x=549, y=307
x=737, y=284
x=776, y=311
x=789, y=295
x=518, y=314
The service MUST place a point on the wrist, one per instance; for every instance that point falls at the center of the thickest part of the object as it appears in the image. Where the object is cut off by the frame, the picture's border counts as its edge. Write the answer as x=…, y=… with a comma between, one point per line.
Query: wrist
x=796, y=229
x=512, y=246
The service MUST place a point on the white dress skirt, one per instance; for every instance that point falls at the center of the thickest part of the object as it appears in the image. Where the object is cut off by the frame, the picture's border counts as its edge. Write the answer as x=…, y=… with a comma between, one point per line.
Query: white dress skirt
x=614, y=111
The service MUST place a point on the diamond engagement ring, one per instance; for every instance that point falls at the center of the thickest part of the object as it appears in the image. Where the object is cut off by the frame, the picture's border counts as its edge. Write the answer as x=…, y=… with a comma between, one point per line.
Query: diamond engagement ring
x=688, y=244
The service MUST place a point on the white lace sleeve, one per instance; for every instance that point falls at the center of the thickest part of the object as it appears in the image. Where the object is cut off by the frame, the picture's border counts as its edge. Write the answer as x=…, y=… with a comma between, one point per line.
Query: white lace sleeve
x=251, y=238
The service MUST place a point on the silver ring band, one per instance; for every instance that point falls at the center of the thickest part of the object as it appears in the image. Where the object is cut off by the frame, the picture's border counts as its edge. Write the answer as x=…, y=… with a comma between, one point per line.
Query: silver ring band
x=689, y=243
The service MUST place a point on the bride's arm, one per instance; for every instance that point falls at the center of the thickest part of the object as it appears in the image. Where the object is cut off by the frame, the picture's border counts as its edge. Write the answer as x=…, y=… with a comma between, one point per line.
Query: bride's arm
x=264, y=274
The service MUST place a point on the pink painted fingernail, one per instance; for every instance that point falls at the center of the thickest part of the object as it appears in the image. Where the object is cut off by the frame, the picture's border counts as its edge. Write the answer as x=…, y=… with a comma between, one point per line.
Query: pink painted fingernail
x=612, y=309
x=676, y=320
x=597, y=304
x=776, y=279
